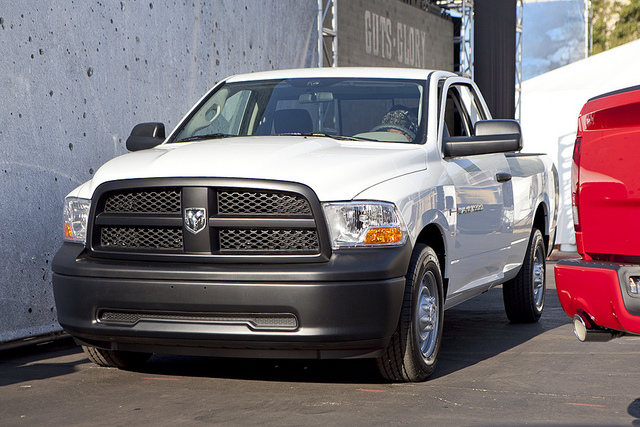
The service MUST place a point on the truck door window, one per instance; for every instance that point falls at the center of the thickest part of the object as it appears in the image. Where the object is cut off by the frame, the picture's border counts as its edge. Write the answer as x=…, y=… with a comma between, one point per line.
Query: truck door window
x=472, y=104
x=454, y=119
x=462, y=111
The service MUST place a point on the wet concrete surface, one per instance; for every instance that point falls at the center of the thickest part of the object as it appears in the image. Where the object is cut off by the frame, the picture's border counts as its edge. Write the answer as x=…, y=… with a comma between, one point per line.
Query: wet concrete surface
x=490, y=372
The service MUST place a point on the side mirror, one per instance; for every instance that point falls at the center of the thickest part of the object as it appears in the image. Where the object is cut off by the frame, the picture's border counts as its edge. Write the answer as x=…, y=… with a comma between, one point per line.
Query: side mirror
x=491, y=136
x=145, y=135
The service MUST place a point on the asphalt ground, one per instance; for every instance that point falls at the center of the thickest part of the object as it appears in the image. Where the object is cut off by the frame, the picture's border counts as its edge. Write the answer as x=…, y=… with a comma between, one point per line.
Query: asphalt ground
x=490, y=372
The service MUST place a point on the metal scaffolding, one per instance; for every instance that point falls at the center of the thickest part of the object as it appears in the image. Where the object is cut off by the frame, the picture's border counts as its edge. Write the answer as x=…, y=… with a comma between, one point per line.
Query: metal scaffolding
x=328, y=43
x=518, y=112
x=463, y=9
x=588, y=27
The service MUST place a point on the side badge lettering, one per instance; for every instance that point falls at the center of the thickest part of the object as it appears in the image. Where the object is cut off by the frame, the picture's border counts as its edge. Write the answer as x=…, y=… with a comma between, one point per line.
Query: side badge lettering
x=470, y=209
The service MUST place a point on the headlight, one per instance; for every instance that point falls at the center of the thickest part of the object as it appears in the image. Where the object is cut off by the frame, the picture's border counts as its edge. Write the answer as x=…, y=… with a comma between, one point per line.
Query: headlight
x=75, y=215
x=355, y=224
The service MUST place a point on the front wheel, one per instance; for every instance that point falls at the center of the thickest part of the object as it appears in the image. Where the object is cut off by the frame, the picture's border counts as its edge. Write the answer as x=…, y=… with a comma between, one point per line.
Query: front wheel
x=114, y=358
x=524, y=295
x=413, y=350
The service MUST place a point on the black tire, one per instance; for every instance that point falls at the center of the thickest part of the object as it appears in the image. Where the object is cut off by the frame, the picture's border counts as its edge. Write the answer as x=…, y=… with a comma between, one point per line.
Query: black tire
x=524, y=295
x=114, y=358
x=413, y=350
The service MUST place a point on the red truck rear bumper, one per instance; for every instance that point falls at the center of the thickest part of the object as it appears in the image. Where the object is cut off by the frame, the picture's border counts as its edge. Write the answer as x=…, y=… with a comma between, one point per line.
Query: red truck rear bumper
x=600, y=290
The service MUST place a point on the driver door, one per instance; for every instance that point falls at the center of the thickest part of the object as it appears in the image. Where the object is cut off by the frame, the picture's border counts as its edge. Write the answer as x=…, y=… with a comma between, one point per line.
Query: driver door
x=483, y=226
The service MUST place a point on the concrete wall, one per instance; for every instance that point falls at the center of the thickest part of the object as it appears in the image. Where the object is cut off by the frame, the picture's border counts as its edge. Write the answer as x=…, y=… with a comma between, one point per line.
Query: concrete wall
x=384, y=33
x=77, y=76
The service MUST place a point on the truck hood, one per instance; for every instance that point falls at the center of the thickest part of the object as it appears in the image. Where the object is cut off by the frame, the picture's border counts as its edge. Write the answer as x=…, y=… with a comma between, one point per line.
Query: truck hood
x=335, y=170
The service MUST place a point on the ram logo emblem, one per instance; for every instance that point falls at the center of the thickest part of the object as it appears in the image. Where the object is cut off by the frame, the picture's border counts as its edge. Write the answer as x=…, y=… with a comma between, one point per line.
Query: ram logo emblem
x=195, y=219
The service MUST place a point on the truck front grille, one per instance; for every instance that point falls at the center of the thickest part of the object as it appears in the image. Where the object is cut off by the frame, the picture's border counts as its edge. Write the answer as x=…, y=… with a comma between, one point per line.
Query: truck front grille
x=283, y=240
x=141, y=238
x=144, y=201
x=239, y=221
x=257, y=203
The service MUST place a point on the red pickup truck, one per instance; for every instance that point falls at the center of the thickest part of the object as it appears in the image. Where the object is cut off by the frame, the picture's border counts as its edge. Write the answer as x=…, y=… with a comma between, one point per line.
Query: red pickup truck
x=601, y=291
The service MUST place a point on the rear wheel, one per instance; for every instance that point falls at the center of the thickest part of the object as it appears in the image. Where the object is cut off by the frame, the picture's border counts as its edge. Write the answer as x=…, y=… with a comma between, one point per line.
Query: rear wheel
x=413, y=350
x=115, y=358
x=524, y=295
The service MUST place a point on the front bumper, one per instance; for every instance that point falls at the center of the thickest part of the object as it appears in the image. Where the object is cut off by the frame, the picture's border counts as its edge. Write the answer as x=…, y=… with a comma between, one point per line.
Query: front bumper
x=347, y=307
x=599, y=289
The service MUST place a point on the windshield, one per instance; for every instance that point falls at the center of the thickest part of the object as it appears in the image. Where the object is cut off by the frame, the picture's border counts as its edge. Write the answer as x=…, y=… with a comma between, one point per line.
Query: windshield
x=389, y=110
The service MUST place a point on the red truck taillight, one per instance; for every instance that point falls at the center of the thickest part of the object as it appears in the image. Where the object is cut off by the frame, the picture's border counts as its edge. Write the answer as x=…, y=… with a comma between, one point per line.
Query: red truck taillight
x=575, y=183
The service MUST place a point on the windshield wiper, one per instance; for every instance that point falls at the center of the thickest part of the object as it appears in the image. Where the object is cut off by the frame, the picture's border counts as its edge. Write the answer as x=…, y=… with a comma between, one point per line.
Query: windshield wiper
x=324, y=135
x=207, y=136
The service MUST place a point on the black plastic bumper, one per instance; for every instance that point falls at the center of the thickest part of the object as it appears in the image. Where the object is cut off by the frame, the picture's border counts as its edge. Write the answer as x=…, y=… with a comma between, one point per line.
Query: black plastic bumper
x=347, y=307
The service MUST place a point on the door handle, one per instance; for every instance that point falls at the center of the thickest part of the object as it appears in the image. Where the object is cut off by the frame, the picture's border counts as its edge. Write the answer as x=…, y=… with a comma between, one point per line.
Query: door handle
x=503, y=177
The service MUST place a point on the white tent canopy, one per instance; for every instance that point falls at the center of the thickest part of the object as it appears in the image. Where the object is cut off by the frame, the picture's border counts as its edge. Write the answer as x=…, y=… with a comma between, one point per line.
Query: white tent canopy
x=550, y=106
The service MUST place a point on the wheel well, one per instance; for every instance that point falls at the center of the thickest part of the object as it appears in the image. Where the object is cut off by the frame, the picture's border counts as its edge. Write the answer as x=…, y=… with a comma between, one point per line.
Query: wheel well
x=540, y=222
x=431, y=235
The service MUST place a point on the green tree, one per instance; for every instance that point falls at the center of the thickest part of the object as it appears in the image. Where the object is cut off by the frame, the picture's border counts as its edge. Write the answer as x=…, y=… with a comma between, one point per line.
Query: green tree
x=624, y=30
x=600, y=14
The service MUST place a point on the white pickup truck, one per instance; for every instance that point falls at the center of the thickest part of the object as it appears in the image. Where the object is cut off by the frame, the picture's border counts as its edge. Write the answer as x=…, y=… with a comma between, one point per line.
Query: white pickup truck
x=314, y=213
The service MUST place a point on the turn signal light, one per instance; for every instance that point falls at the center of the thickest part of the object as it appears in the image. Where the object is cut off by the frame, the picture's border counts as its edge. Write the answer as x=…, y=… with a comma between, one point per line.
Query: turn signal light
x=634, y=285
x=68, y=231
x=383, y=236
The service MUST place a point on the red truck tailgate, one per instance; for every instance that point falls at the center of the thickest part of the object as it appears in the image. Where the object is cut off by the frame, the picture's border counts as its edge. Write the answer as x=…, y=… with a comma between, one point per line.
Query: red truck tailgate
x=609, y=189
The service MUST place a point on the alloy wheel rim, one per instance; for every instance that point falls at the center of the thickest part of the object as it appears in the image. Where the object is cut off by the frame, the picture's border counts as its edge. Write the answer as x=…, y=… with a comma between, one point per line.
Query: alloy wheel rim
x=538, y=279
x=427, y=315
